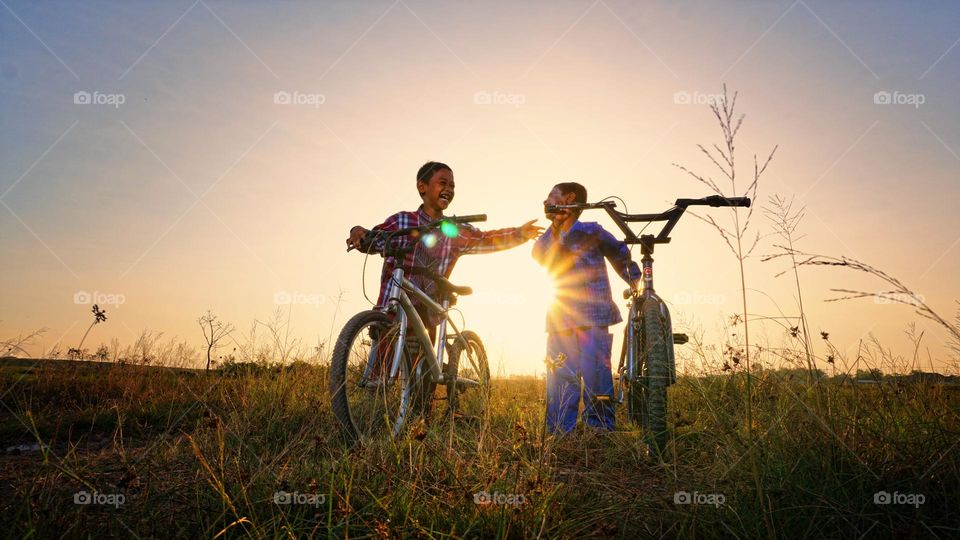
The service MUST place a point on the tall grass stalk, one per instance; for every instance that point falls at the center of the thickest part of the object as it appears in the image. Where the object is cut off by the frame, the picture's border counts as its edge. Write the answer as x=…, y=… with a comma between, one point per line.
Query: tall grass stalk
x=736, y=237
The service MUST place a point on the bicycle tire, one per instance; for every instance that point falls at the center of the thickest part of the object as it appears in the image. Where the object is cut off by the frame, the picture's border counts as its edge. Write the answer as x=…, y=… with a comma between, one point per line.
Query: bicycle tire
x=655, y=375
x=366, y=418
x=468, y=359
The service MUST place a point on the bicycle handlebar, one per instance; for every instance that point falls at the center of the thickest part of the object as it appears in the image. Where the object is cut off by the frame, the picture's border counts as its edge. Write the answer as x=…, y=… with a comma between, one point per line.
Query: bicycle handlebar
x=715, y=201
x=671, y=216
x=390, y=235
x=580, y=206
x=472, y=218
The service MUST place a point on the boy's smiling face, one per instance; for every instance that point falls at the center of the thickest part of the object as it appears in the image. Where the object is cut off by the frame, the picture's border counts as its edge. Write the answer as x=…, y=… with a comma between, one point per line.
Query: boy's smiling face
x=438, y=192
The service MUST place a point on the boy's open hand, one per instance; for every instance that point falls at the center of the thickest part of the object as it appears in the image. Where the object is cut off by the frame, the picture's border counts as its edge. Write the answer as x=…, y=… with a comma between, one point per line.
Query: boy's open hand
x=356, y=236
x=529, y=231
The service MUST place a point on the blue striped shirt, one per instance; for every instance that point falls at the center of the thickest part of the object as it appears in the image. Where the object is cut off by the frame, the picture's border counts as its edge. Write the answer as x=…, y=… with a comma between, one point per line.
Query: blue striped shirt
x=576, y=262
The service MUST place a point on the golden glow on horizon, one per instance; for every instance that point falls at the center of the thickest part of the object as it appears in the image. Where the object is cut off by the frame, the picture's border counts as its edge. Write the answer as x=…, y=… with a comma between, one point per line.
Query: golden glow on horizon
x=286, y=182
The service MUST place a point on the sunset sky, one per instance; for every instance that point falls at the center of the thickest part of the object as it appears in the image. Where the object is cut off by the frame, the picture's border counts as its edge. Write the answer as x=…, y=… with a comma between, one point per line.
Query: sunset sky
x=188, y=183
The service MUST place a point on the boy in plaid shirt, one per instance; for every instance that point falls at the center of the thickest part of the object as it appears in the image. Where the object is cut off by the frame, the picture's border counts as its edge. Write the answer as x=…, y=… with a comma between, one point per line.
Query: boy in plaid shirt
x=437, y=252
x=578, y=341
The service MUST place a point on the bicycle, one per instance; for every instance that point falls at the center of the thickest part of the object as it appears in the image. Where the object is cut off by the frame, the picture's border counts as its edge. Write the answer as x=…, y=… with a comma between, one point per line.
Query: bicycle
x=647, y=362
x=380, y=376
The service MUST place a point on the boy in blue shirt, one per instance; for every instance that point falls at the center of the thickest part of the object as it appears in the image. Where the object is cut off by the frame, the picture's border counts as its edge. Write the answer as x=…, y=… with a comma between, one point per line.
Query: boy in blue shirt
x=578, y=340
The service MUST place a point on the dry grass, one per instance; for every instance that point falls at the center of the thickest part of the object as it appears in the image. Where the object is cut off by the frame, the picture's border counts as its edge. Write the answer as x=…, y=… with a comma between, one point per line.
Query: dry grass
x=199, y=454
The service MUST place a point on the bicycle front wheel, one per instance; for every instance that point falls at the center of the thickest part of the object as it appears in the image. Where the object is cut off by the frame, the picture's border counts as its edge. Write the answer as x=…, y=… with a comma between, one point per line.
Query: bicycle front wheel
x=367, y=401
x=655, y=372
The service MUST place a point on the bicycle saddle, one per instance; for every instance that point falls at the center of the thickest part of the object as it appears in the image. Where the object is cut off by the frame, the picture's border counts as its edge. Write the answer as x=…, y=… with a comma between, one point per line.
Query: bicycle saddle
x=449, y=288
x=446, y=288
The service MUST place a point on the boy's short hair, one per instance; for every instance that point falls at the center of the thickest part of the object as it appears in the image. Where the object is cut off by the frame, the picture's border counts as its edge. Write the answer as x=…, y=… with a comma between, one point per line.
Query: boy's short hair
x=428, y=169
x=579, y=192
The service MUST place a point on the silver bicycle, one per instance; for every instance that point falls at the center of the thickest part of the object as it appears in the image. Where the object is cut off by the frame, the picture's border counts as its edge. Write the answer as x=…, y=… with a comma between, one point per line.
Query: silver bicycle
x=382, y=374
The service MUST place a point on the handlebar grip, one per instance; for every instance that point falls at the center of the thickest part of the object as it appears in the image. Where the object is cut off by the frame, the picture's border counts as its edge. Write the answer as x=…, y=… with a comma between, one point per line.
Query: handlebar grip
x=474, y=218
x=735, y=201
x=718, y=201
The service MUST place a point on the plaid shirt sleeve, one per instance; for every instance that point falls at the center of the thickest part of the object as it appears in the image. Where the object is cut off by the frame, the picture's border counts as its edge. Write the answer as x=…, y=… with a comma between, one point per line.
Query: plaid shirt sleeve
x=618, y=254
x=378, y=233
x=472, y=240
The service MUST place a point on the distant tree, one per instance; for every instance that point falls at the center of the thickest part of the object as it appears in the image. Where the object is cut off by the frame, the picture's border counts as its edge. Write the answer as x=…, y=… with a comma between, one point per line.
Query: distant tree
x=214, y=330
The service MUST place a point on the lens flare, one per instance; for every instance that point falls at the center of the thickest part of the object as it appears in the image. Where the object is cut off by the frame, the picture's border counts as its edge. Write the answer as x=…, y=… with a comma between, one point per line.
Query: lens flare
x=429, y=240
x=570, y=294
x=449, y=229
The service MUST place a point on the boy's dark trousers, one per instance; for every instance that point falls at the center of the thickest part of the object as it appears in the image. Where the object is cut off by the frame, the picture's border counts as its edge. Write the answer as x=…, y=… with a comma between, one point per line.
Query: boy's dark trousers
x=575, y=354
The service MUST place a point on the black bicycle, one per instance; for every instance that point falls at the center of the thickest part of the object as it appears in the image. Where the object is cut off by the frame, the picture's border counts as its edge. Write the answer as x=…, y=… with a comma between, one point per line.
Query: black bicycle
x=647, y=363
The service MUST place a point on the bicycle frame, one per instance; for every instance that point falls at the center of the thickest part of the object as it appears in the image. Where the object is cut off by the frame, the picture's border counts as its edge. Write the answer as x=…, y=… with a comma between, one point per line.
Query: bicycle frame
x=401, y=304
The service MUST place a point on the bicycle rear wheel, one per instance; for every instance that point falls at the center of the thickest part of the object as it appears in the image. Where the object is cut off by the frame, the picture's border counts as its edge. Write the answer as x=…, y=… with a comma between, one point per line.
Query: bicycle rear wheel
x=367, y=401
x=655, y=377
x=467, y=377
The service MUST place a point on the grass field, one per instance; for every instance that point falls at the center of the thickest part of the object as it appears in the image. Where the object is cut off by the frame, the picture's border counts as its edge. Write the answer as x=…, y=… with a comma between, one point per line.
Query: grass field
x=114, y=450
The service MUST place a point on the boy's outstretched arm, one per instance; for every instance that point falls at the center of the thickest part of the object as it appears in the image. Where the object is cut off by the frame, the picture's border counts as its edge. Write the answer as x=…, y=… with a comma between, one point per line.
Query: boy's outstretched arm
x=472, y=240
x=618, y=254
